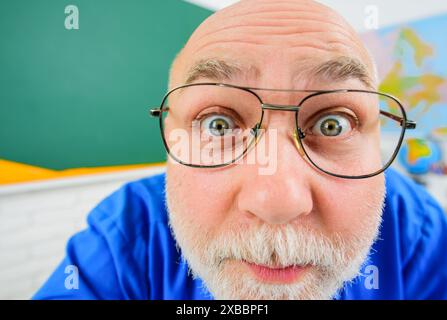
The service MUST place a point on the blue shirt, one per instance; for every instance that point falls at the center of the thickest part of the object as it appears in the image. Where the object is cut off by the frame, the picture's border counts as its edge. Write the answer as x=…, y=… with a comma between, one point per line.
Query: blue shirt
x=128, y=252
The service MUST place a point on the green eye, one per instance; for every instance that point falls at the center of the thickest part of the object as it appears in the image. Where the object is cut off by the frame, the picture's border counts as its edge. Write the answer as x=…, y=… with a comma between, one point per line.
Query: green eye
x=332, y=126
x=217, y=125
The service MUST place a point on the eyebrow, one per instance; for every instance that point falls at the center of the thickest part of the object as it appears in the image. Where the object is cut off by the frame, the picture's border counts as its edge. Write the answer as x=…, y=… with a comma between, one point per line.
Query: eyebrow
x=344, y=68
x=218, y=69
x=337, y=69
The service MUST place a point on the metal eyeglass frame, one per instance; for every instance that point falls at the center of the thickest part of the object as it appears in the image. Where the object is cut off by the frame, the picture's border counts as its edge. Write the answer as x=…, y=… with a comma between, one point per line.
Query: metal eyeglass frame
x=298, y=134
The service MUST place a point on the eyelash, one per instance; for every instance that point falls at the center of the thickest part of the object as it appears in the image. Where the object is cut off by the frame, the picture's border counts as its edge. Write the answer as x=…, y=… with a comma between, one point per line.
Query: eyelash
x=353, y=119
x=222, y=111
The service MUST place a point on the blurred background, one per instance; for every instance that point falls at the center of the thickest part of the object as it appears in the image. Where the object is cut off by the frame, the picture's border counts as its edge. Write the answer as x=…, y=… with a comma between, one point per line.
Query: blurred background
x=76, y=82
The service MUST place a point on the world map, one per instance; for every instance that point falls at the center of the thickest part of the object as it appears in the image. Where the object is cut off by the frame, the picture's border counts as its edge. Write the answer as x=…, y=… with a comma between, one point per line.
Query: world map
x=412, y=66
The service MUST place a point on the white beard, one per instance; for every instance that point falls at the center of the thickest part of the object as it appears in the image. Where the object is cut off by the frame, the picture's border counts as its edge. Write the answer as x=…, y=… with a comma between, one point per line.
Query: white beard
x=333, y=260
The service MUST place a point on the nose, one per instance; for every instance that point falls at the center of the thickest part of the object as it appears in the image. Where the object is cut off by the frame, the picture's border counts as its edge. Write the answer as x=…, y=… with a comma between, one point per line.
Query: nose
x=282, y=196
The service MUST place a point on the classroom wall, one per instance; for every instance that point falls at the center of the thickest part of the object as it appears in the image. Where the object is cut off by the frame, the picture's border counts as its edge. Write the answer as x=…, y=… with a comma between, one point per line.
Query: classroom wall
x=38, y=218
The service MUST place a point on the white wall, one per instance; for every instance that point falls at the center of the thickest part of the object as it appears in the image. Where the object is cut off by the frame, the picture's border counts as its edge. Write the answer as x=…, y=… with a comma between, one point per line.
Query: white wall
x=390, y=11
x=36, y=220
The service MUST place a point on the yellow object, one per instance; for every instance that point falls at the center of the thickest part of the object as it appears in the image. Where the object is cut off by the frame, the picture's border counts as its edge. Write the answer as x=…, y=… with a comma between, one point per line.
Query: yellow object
x=440, y=132
x=14, y=172
x=417, y=148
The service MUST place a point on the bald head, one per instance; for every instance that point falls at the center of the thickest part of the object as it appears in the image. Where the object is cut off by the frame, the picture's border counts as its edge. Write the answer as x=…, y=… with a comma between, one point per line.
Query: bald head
x=299, y=44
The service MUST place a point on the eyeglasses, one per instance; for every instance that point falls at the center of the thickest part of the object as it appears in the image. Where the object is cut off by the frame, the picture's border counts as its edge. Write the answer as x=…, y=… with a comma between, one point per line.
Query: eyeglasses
x=346, y=133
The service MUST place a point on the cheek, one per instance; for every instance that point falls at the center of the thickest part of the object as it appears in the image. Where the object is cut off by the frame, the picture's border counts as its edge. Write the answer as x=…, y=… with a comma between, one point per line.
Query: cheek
x=205, y=195
x=349, y=206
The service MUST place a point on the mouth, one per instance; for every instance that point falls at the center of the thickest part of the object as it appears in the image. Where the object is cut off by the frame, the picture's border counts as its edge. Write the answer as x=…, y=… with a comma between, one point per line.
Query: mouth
x=277, y=275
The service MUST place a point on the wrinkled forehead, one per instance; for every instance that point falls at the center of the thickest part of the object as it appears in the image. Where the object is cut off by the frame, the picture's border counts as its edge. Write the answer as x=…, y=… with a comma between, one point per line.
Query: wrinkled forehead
x=254, y=36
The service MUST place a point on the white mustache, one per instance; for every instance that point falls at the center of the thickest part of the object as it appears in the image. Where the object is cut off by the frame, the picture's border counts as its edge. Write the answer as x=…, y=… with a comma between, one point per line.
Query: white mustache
x=278, y=247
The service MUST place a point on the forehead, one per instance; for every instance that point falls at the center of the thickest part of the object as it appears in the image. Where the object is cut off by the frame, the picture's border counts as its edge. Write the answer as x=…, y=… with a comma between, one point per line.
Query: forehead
x=272, y=40
x=275, y=22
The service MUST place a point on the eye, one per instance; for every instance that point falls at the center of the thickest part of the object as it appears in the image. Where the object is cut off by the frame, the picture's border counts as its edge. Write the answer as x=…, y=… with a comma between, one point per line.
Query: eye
x=332, y=125
x=216, y=125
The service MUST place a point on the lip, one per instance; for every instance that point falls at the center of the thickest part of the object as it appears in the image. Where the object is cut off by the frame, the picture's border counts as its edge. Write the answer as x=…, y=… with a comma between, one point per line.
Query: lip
x=282, y=275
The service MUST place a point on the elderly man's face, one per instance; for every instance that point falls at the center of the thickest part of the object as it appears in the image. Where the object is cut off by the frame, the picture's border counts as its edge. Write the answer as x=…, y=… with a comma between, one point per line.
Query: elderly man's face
x=296, y=233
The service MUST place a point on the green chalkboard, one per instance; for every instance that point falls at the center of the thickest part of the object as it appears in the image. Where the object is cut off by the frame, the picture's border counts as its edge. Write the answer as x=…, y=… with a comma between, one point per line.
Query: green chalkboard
x=79, y=98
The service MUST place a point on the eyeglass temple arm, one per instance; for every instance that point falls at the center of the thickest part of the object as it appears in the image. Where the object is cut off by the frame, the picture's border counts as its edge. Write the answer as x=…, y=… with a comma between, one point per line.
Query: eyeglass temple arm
x=409, y=124
x=157, y=111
